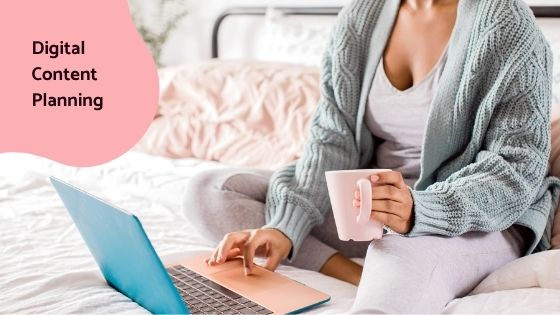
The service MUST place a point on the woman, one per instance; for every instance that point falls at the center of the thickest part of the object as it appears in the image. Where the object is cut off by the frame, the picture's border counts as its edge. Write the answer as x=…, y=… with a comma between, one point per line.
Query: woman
x=454, y=97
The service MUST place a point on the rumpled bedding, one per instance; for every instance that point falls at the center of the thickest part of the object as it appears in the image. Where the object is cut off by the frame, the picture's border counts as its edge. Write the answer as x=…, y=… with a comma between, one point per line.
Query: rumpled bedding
x=250, y=113
x=45, y=266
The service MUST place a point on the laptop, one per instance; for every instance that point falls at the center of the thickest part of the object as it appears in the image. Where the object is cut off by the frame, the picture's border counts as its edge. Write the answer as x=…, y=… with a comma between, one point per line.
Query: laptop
x=130, y=264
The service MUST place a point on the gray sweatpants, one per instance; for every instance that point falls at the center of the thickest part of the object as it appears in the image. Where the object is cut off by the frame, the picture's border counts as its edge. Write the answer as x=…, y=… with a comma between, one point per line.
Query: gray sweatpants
x=401, y=274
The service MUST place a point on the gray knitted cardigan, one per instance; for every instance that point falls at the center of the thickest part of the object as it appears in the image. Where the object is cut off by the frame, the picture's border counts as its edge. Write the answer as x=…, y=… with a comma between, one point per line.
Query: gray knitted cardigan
x=485, y=153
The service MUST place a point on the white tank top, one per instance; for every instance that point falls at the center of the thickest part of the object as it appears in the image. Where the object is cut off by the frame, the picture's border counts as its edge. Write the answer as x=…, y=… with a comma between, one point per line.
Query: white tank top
x=398, y=119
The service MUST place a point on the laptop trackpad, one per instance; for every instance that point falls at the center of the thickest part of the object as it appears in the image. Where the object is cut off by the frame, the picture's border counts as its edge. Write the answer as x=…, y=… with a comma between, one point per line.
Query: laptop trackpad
x=260, y=280
x=269, y=289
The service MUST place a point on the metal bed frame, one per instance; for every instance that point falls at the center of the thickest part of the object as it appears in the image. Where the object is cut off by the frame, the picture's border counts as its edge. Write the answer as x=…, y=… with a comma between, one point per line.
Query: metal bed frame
x=539, y=11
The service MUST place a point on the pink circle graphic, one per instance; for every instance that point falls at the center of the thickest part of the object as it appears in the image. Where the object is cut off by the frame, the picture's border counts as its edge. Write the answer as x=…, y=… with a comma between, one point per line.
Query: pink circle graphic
x=77, y=83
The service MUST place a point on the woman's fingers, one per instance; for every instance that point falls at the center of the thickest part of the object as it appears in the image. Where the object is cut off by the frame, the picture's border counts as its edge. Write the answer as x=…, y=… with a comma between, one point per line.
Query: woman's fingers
x=212, y=259
x=387, y=185
x=389, y=178
x=392, y=201
x=273, y=260
x=385, y=192
x=234, y=252
x=271, y=243
x=381, y=217
x=394, y=222
x=249, y=248
x=388, y=206
x=228, y=243
x=224, y=250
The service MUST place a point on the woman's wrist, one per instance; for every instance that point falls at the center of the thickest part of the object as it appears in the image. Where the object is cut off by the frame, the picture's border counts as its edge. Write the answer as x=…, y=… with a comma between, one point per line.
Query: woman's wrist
x=283, y=235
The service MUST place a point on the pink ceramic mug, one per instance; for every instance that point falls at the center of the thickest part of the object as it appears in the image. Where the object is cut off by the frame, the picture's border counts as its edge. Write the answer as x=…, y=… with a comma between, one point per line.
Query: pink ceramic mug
x=351, y=223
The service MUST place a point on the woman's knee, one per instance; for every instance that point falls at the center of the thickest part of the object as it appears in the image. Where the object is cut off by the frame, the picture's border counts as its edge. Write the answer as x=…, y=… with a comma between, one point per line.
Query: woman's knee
x=197, y=208
x=215, y=206
x=198, y=190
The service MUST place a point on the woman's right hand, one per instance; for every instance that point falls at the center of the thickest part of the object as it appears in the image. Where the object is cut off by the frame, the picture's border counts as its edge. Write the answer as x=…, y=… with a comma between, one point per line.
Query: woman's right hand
x=265, y=242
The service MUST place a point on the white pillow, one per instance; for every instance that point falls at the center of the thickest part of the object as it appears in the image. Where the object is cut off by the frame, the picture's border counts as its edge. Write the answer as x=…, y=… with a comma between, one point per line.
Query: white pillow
x=290, y=40
x=537, y=270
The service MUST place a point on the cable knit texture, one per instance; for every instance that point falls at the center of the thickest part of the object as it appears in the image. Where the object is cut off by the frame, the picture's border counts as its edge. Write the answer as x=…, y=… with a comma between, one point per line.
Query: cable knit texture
x=485, y=153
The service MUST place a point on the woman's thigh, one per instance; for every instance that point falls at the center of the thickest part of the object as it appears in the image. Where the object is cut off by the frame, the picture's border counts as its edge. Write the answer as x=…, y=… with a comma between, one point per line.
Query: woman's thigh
x=422, y=274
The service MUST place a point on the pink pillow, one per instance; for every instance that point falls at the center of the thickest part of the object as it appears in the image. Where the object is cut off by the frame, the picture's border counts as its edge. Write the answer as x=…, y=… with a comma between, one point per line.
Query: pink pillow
x=246, y=113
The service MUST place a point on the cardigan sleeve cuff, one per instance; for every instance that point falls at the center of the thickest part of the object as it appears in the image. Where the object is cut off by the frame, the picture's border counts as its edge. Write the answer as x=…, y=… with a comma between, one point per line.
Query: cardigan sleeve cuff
x=294, y=223
x=429, y=213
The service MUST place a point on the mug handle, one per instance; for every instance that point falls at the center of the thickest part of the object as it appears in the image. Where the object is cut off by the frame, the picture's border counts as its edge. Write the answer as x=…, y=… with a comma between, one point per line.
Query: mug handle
x=364, y=186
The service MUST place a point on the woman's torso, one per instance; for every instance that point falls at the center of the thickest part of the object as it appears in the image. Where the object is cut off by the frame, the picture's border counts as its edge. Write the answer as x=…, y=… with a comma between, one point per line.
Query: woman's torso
x=398, y=119
x=405, y=84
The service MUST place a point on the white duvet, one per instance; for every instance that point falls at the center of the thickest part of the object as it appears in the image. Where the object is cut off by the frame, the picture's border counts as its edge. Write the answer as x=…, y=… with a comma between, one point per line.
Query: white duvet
x=46, y=268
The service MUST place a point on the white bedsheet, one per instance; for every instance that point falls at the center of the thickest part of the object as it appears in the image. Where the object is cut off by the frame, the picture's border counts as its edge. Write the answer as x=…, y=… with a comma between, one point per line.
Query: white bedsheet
x=46, y=268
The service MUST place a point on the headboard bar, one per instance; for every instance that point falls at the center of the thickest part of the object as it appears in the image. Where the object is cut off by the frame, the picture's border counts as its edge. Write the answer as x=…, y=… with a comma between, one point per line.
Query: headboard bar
x=237, y=11
x=539, y=11
x=546, y=11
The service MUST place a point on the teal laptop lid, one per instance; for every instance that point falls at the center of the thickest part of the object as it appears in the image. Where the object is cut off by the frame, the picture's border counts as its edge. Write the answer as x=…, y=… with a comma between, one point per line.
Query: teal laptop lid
x=122, y=250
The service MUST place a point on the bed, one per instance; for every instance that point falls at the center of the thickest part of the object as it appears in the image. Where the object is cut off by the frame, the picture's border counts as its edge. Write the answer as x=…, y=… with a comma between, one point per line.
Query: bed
x=46, y=268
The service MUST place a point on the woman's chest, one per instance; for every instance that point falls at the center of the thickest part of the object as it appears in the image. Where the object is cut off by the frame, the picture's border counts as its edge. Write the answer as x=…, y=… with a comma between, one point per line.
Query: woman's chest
x=417, y=41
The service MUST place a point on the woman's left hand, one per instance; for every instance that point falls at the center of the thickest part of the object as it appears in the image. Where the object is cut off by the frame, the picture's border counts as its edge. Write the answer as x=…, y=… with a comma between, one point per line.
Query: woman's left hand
x=392, y=202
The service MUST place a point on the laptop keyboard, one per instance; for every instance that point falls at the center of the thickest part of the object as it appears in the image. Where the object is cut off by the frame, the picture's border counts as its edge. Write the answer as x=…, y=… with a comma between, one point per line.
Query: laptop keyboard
x=202, y=295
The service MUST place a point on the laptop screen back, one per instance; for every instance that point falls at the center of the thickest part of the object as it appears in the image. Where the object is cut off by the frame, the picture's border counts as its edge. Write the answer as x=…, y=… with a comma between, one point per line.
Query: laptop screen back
x=122, y=250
